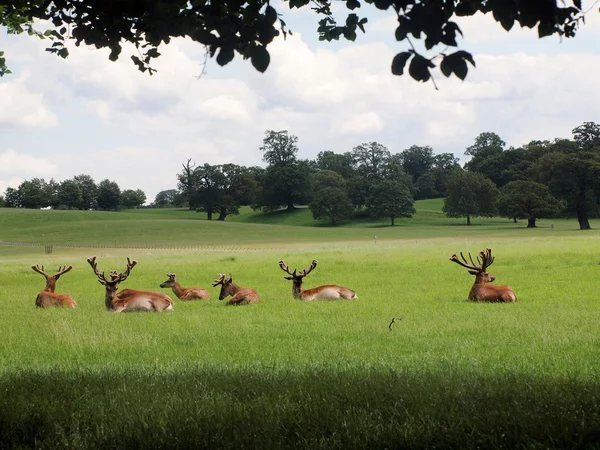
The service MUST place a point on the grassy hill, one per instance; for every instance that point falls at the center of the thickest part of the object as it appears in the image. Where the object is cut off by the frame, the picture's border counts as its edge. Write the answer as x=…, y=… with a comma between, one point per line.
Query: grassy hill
x=180, y=227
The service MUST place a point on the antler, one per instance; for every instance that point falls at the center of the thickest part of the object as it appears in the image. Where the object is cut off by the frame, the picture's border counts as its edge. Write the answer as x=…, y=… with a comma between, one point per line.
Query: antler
x=171, y=275
x=40, y=270
x=310, y=269
x=486, y=258
x=62, y=270
x=114, y=275
x=464, y=262
x=219, y=280
x=92, y=262
x=285, y=268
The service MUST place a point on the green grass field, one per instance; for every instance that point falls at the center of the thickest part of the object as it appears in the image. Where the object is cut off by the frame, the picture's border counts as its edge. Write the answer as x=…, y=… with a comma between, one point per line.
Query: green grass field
x=287, y=374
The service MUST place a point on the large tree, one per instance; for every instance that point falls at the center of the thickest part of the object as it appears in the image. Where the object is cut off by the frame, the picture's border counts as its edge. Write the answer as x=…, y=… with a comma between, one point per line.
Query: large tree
x=529, y=200
x=108, y=195
x=69, y=194
x=239, y=187
x=89, y=191
x=389, y=198
x=285, y=181
x=330, y=199
x=34, y=193
x=228, y=27
x=166, y=199
x=470, y=195
x=133, y=198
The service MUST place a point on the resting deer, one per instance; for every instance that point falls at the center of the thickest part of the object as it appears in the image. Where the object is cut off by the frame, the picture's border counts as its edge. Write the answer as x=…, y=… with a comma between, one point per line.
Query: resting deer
x=482, y=292
x=326, y=292
x=239, y=296
x=129, y=299
x=48, y=298
x=182, y=293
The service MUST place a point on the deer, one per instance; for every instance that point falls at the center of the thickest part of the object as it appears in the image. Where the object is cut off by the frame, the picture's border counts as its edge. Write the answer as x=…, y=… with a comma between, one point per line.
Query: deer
x=481, y=291
x=326, y=292
x=47, y=297
x=182, y=293
x=129, y=299
x=239, y=295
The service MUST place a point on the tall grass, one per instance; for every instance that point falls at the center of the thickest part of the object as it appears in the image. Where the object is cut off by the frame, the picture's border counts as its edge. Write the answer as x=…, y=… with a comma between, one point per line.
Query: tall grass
x=288, y=374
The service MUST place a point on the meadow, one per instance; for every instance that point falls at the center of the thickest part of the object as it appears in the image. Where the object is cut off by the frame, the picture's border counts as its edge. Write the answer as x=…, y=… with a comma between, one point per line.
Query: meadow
x=286, y=374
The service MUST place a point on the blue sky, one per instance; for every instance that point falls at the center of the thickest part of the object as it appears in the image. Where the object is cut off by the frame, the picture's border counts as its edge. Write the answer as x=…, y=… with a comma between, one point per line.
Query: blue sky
x=60, y=118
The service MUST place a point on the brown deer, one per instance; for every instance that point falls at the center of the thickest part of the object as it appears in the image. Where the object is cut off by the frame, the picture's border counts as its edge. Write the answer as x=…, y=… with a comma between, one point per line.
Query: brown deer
x=182, y=293
x=239, y=296
x=129, y=299
x=326, y=292
x=48, y=298
x=482, y=292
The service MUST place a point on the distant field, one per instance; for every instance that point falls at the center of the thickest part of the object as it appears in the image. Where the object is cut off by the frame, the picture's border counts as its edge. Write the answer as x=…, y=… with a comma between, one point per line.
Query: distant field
x=287, y=374
x=177, y=227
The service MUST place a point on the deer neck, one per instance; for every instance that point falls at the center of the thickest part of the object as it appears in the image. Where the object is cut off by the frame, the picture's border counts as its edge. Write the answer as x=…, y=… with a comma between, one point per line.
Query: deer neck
x=108, y=299
x=50, y=285
x=233, y=288
x=297, y=289
x=177, y=289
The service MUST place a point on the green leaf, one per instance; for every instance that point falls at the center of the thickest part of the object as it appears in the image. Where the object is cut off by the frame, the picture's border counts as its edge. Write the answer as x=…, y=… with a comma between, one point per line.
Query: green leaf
x=399, y=62
x=260, y=58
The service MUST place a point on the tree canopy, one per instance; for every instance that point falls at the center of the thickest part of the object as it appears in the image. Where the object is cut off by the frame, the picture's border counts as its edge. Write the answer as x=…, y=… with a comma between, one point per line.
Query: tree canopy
x=228, y=27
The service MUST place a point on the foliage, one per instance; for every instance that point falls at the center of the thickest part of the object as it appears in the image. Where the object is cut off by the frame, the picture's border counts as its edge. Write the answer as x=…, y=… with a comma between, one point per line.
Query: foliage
x=131, y=198
x=89, y=191
x=247, y=28
x=167, y=198
x=389, y=198
x=12, y=198
x=587, y=135
x=109, y=195
x=470, y=195
x=330, y=197
x=285, y=181
x=69, y=194
x=2, y=202
x=371, y=159
x=34, y=193
x=527, y=200
x=336, y=162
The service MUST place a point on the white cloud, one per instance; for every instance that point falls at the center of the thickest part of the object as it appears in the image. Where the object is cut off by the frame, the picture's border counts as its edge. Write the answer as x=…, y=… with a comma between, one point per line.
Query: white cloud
x=110, y=121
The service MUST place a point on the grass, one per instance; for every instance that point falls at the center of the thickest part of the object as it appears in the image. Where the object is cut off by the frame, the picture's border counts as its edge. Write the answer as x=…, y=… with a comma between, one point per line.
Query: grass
x=287, y=374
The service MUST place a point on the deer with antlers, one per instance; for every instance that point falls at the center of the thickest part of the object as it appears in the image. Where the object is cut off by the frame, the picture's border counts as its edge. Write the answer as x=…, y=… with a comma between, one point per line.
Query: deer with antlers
x=481, y=291
x=129, y=299
x=239, y=295
x=326, y=292
x=182, y=293
x=47, y=297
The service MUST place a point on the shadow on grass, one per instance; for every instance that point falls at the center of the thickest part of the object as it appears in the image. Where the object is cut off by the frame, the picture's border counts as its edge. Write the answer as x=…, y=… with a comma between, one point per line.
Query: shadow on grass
x=319, y=408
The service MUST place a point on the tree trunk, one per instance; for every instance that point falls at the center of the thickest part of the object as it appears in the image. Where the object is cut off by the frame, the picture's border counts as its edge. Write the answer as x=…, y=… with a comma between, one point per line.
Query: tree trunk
x=333, y=221
x=531, y=222
x=468, y=220
x=222, y=214
x=515, y=220
x=290, y=206
x=208, y=215
x=392, y=217
x=584, y=223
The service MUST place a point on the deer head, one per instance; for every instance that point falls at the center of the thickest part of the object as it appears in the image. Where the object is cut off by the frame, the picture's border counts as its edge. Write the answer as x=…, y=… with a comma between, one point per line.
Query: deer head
x=170, y=282
x=115, y=277
x=485, y=260
x=51, y=279
x=227, y=286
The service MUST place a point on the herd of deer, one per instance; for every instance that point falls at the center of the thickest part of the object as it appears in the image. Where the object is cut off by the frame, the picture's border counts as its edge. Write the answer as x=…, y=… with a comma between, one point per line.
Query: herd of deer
x=137, y=300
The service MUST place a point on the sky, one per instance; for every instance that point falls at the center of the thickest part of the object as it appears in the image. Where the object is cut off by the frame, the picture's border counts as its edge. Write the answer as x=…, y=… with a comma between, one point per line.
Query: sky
x=88, y=115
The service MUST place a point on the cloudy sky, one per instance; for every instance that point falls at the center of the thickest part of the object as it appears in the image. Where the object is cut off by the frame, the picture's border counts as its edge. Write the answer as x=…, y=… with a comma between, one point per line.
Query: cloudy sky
x=87, y=115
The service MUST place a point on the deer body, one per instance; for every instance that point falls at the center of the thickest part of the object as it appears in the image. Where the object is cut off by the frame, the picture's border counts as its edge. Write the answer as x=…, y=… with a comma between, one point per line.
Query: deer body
x=325, y=292
x=239, y=295
x=481, y=291
x=182, y=293
x=129, y=299
x=47, y=298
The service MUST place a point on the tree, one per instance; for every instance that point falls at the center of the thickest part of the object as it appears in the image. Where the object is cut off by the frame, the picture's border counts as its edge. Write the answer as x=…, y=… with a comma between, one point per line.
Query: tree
x=527, y=200
x=2, y=202
x=444, y=164
x=33, y=193
x=342, y=163
x=417, y=161
x=574, y=178
x=228, y=27
x=470, y=195
x=330, y=197
x=391, y=199
x=208, y=192
x=370, y=159
x=12, y=198
x=132, y=198
x=187, y=183
x=69, y=194
x=239, y=188
x=587, y=135
x=166, y=199
x=89, y=191
x=285, y=181
x=109, y=195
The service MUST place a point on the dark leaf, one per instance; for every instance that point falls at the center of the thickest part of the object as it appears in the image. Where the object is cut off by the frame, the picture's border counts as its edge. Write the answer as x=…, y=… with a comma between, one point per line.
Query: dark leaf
x=271, y=15
x=577, y=4
x=400, y=33
x=460, y=68
x=419, y=68
x=225, y=55
x=507, y=24
x=546, y=29
x=260, y=58
x=447, y=65
x=352, y=4
x=465, y=55
x=399, y=62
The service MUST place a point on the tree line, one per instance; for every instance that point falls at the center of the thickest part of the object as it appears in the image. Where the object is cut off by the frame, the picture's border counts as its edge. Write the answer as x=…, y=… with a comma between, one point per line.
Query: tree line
x=80, y=192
